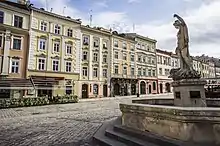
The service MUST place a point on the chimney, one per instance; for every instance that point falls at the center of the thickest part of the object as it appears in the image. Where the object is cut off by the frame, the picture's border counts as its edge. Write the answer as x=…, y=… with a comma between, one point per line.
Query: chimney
x=23, y=2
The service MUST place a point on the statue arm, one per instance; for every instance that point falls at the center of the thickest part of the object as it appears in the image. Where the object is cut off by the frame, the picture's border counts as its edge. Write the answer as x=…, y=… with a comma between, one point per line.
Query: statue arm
x=180, y=19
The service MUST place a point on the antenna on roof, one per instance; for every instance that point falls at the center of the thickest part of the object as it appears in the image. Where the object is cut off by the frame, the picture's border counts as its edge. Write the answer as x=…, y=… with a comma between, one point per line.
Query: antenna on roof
x=90, y=18
x=46, y=3
x=133, y=28
x=51, y=10
x=64, y=9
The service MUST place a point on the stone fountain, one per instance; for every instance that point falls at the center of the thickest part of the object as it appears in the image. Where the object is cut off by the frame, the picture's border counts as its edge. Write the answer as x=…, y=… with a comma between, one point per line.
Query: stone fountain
x=185, y=119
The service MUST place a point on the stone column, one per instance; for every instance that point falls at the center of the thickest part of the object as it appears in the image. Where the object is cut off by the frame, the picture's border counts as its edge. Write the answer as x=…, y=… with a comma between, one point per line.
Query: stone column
x=129, y=88
x=137, y=89
x=5, y=64
x=112, y=89
x=62, y=54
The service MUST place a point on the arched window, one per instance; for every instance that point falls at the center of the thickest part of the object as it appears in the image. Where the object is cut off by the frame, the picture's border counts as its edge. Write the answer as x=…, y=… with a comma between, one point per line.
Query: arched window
x=95, y=89
x=154, y=85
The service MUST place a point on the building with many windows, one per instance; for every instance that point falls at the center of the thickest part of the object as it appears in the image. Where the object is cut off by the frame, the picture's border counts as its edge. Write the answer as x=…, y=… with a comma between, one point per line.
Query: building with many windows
x=123, y=66
x=165, y=62
x=54, y=53
x=146, y=65
x=95, y=62
x=14, y=28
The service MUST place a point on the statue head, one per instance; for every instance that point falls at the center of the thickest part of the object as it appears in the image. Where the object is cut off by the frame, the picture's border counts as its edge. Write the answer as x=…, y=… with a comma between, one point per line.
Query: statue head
x=177, y=24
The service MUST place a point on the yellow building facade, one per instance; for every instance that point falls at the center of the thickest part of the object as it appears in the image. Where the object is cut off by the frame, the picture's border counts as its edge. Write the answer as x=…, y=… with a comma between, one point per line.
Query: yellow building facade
x=53, y=63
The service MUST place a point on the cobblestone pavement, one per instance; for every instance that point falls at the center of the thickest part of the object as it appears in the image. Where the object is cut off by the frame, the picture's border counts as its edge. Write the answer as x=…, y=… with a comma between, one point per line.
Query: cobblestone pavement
x=66, y=124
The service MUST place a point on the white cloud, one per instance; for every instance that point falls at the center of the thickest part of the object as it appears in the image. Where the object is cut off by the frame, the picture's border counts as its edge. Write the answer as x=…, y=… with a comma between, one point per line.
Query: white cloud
x=134, y=1
x=102, y=4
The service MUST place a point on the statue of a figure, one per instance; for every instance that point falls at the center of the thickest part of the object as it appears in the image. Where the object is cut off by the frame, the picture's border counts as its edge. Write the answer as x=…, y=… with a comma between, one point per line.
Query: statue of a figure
x=186, y=70
x=182, y=49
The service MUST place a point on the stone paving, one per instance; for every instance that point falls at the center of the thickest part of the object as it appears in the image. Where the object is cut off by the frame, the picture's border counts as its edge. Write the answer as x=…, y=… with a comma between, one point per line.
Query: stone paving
x=66, y=124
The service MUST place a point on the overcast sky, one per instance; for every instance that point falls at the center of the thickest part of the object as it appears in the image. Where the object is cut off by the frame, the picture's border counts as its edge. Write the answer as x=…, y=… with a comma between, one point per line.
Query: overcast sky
x=152, y=18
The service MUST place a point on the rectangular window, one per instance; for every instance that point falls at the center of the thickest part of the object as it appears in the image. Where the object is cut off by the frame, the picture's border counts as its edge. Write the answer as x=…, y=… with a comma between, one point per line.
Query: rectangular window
x=154, y=73
x=56, y=47
x=57, y=29
x=18, y=21
x=139, y=72
x=149, y=72
x=144, y=59
x=41, y=63
x=68, y=49
x=43, y=26
x=70, y=33
x=15, y=66
x=104, y=71
x=124, y=56
x=68, y=66
x=42, y=44
x=139, y=58
x=96, y=43
x=124, y=70
x=1, y=41
x=95, y=72
x=1, y=17
x=138, y=45
x=116, y=55
x=68, y=90
x=144, y=71
x=143, y=47
x=55, y=65
x=160, y=71
x=85, y=40
x=85, y=71
x=132, y=47
x=115, y=43
x=116, y=69
x=132, y=57
x=104, y=45
x=95, y=57
x=132, y=71
x=85, y=54
x=124, y=46
x=104, y=58
x=149, y=60
x=17, y=44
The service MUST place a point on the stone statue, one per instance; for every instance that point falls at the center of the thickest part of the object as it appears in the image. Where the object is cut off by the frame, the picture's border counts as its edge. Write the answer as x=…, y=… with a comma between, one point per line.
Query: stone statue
x=182, y=50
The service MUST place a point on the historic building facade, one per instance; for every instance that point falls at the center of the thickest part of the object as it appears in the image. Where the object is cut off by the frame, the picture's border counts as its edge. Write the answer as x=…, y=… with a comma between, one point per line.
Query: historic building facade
x=165, y=62
x=14, y=28
x=123, y=66
x=54, y=53
x=146, y=65
x=95, y=62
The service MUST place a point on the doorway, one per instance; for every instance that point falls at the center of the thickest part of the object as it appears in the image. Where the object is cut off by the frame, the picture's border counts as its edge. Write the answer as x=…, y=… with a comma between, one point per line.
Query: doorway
x=84, y=91
x=105, y=90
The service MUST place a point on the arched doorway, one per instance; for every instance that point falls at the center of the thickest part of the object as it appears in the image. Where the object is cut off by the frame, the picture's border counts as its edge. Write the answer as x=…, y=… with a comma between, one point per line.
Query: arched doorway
x=143, y=87
x=161, y=88
x=168, y=87
x=149, y=89
x=84, y=91
x=116, y=89
x=133, y=89
x=105, y=90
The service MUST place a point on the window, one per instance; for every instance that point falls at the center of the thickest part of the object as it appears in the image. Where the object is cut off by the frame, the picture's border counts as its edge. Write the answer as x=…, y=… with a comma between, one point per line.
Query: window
x=43, y=26
x=68, y=66
x=15, y=66
x=125, y=70
x=104, y=71
x=116, y=55
x=116, y=69
x=96, y=43
x=132, y=71
x=154, y=85
x=41, y=63
x=17, y=44
x=143, y=47
x=85, y=40
x=1, y=41
x=85, y=71
x=139, y=71
x=149, y=72
x=132, y=47
x=104, y=58
x=138, y=46
x=57, y=29
x=132, y=57
x=160, y=71
x=124, y=46
x=95, y=57
x=1, y=17
x=124, y=56
x=104, y=45
x=55, y=65
x=144, y=71
x=68, y=49
x=116, y=43
x=153, y=73
x=18, y=21
x=139, y=58
x=95, y=89
x=95, y=72
x=70, y=33
x=85, y=54
x=153, y=61
x=68, y=90
x=144, y=59
x=56, y=47
x=167, y=72
x=42, y=44
x=149, y=60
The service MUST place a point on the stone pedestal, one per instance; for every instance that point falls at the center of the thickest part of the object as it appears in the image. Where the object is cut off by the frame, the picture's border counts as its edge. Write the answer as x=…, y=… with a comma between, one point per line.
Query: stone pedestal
x=189, y=93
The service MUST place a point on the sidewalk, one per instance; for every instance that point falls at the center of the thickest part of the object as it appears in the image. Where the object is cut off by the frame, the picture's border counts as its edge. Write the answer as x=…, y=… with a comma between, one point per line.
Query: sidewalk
x=127, y=97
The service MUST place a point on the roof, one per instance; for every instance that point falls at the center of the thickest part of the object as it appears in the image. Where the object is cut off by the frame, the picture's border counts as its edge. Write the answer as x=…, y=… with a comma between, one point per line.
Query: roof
x=140, y=36
x=14, y=4
x=164, y=52
x=40, y=10
x=97, y=29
